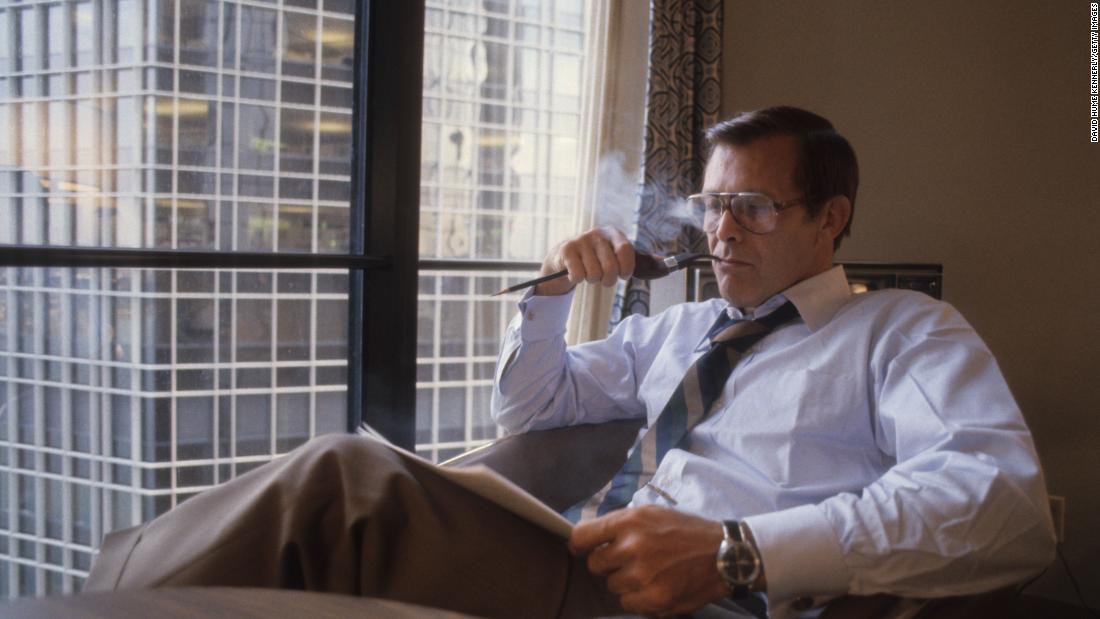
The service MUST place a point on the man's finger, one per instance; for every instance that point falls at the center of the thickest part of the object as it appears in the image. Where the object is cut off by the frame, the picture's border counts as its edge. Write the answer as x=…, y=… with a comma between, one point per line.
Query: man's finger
x=603, y=560
x=592, y=271
x=572, y=262
x=624, y=252
x=613, y=234
x=591, y=534
x=621, y=582
x=637, y=602
x=609, y=263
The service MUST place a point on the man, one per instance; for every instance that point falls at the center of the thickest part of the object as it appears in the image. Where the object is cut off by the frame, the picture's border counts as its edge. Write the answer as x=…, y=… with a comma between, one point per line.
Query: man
x=869, y=446
x=859, y=445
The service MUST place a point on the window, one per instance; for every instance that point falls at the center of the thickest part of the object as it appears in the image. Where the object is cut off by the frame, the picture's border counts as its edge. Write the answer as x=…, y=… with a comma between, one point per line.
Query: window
x=185, y=280
x=498, y=181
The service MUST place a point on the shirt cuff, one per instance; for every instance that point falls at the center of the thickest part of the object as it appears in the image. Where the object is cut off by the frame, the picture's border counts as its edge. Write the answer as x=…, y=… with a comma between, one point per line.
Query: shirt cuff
x=800, y=553
x=543, y=317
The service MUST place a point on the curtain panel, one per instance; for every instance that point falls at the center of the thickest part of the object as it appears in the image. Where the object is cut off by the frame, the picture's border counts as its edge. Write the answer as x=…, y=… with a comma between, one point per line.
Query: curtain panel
x=591, y=308
x=683, y=96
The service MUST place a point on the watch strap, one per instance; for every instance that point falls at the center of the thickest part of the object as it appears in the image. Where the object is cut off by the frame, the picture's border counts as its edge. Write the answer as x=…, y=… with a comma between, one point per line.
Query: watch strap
x=732, y=530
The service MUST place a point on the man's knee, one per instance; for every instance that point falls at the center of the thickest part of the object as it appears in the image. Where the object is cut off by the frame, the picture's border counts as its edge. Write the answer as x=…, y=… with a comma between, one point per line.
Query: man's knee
x=339, y=442
x=349, y=453
x=343, y=447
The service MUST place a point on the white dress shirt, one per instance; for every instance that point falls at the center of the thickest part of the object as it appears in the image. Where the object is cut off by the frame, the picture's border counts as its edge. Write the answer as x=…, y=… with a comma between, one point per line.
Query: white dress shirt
x=871, y=447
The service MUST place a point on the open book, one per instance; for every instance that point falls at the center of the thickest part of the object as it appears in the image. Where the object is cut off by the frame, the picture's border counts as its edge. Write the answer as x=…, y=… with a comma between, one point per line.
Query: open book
x=488, y=484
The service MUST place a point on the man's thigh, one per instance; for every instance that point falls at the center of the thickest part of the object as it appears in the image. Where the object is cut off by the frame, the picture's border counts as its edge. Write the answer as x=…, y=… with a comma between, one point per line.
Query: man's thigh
x=347, y=514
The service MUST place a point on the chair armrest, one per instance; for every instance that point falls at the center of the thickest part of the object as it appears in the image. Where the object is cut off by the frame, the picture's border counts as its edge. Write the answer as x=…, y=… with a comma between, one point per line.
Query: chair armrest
x=559, y=466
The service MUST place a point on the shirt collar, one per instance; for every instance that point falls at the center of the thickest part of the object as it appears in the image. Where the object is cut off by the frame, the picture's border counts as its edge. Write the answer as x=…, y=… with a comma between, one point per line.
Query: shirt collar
x=817, y=299
x=820, y=297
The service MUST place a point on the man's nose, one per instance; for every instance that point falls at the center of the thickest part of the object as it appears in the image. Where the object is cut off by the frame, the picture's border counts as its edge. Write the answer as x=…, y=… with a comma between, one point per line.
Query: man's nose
x=728, y=229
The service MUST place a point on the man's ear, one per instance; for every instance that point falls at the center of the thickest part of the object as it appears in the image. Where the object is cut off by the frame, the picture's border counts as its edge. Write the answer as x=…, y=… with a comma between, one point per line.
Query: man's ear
x=834, y=216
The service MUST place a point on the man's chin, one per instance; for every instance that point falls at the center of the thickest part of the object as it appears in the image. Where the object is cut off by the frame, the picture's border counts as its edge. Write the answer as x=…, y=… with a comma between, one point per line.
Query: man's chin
x=738, y=296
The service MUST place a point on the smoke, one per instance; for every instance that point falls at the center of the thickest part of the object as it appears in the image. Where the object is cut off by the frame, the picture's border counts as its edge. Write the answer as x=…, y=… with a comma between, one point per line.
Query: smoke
x=620, y=197
x=617, y=193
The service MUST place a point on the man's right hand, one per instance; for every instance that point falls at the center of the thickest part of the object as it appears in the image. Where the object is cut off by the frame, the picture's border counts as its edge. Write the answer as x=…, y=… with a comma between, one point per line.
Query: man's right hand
x=601, y=255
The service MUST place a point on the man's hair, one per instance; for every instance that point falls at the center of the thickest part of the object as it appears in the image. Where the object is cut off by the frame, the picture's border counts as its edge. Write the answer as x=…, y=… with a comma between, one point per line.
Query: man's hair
x=826, y=164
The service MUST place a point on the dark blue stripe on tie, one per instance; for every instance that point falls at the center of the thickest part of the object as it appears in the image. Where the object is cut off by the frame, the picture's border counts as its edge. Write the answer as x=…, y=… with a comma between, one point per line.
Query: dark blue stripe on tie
x=670, y=428
x=623, y=486
x=713, y=371
x=573, y=514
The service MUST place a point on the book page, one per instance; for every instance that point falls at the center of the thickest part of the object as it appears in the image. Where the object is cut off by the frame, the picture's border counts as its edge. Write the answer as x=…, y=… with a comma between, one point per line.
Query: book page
x=488, y=484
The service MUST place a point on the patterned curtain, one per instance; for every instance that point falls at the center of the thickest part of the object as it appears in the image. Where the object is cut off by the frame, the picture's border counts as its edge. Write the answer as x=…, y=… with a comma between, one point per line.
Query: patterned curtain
x=682, y=99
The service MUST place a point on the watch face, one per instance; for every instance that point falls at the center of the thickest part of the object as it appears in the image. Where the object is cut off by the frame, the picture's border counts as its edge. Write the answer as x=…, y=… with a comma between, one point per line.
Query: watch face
x=739, y=564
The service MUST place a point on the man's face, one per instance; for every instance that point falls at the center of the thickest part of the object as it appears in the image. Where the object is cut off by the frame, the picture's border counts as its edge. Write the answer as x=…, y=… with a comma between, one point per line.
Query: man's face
x=757, y=266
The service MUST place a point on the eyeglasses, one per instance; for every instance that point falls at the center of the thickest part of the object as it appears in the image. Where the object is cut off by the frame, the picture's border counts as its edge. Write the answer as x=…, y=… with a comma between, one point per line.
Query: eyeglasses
x=753, y=211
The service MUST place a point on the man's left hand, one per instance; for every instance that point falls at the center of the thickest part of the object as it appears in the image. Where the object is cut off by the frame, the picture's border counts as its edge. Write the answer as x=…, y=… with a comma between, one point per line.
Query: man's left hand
x=657, y=560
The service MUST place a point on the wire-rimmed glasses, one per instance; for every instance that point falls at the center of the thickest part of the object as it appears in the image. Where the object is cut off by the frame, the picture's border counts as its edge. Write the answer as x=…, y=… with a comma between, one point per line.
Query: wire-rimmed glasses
x=755, y=212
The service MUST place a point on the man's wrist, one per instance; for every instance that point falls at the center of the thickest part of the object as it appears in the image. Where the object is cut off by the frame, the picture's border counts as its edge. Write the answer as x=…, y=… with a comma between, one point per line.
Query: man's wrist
x=760, y=585
x=739, y=562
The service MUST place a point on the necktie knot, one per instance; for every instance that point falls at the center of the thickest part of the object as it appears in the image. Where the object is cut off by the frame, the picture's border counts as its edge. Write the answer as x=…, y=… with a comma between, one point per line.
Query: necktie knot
x=737, y=331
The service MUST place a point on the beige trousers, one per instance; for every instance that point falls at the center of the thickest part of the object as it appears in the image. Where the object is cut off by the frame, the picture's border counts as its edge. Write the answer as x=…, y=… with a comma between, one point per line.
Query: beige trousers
x=347, y=514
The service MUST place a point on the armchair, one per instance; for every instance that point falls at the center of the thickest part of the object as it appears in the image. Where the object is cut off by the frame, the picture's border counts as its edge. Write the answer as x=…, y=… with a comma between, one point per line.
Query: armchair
x=559, y=466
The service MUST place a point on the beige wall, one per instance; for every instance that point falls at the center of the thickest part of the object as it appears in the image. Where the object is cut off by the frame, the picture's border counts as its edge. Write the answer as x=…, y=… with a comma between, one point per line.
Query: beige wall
x=970, y=120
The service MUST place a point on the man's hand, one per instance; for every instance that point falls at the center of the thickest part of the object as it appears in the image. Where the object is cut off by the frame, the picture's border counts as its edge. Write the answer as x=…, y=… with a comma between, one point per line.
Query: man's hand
x=600, y=255
x=657, y=560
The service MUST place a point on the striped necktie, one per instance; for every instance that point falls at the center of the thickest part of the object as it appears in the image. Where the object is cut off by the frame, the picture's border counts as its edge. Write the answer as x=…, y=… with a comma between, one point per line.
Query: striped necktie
x=690, y=403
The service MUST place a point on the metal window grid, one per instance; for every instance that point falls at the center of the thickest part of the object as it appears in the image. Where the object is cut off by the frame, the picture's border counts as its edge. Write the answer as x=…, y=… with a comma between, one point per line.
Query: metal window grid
x=60, y=489
x=453, y=386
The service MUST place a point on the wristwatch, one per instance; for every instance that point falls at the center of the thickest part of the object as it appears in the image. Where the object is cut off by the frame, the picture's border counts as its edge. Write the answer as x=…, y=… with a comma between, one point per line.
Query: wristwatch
x=738, y=559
